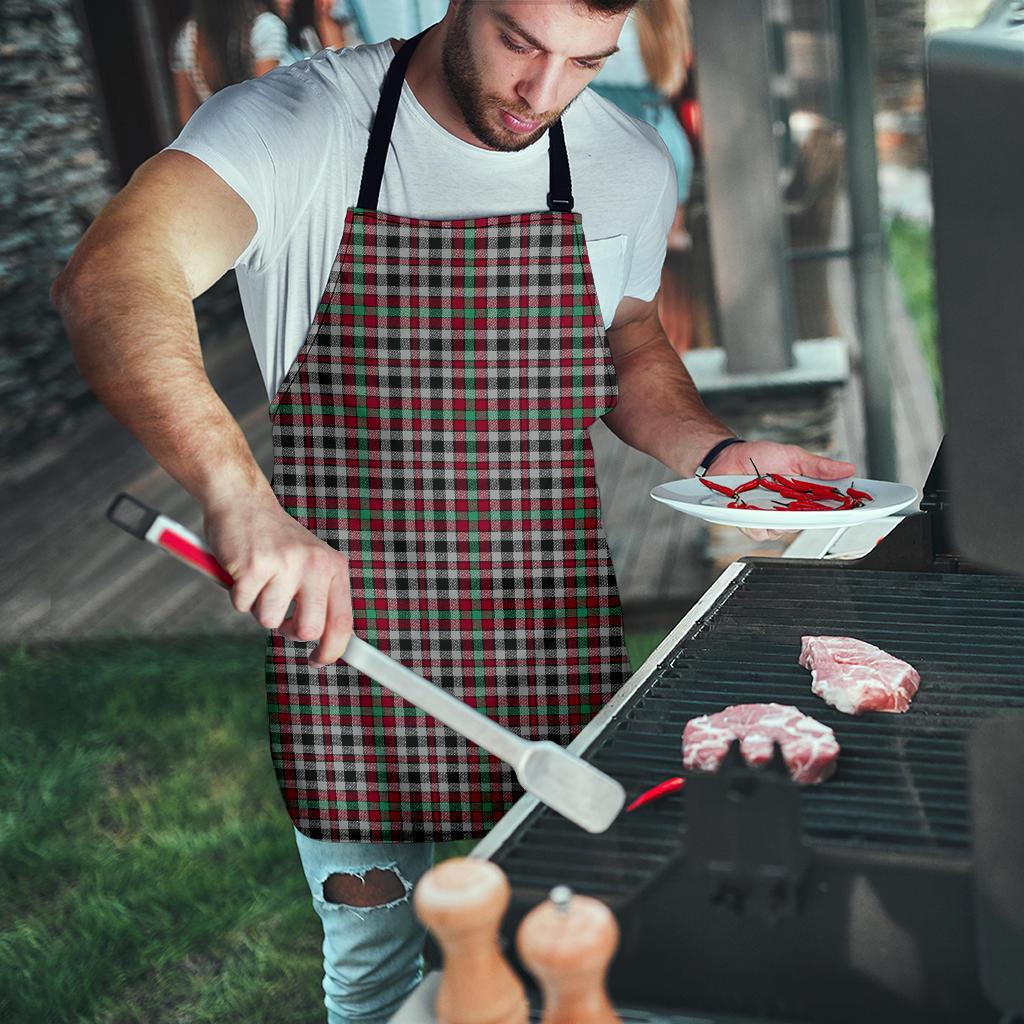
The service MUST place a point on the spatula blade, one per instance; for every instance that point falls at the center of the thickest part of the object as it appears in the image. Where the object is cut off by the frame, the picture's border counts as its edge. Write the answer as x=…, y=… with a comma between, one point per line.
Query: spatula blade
x=571, y=786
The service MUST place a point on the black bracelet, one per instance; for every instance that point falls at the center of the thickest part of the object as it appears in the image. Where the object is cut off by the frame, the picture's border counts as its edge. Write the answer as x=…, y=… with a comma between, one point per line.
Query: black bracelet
x=705, y=463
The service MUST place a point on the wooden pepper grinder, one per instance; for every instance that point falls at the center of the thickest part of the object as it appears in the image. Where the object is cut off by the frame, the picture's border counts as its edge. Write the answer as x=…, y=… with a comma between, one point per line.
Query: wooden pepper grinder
x=462, y=901
x=567, y=943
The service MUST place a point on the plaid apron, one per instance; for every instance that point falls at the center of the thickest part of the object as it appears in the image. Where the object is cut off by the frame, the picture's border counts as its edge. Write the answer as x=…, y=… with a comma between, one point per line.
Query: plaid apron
x=434, y=428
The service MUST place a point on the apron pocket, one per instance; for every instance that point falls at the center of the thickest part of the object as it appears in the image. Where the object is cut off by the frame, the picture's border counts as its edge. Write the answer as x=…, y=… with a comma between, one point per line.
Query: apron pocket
x=608, y=265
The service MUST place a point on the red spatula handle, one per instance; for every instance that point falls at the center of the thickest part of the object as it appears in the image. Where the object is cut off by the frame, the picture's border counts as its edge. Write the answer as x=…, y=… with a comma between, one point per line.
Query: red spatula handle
x=147, y=524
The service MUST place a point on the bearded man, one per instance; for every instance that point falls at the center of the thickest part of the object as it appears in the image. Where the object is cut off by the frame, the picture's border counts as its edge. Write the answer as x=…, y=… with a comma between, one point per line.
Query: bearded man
x=449, y=254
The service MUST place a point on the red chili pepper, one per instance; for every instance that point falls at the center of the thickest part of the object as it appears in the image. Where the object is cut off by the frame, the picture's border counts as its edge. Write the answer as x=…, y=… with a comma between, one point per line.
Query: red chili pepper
x=862, y=495
x=786, y=492
x=806, y=505
x=661, y=789
x=805, y=485
x=810, y=487
x=750, y=485
x=720, y=488
x=742, y=504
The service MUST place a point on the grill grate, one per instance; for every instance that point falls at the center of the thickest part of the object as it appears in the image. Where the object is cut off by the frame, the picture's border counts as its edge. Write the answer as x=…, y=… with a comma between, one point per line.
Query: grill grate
x=901, y=785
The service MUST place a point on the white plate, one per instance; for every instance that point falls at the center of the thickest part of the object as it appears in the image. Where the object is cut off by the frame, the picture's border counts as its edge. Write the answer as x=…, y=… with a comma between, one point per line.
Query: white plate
x=693, y=498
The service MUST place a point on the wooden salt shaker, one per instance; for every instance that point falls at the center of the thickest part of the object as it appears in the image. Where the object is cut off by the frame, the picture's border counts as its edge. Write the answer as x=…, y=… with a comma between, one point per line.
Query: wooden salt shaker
x=567, y=943
x=462, y=901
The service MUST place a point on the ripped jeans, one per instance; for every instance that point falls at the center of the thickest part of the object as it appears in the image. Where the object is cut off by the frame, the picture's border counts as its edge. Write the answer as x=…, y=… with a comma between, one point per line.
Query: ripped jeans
x=372, y=954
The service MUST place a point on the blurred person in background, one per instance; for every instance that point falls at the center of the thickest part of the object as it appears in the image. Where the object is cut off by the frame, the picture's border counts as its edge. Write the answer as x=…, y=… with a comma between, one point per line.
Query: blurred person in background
x=314, y=25
x=645, y=78
x=647, y=75
x=221, y=43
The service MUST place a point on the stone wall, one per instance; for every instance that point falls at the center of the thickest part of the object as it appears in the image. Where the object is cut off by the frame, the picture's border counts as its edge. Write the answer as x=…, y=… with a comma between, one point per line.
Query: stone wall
x=54, y=178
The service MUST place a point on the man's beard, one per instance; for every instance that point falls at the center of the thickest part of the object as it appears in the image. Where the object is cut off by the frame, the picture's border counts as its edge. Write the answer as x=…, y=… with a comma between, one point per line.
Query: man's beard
x=465, y=84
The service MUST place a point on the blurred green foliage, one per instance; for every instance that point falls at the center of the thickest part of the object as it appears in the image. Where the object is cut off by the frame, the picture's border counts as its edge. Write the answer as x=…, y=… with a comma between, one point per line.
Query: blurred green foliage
x=910, y=248
x=149, y=872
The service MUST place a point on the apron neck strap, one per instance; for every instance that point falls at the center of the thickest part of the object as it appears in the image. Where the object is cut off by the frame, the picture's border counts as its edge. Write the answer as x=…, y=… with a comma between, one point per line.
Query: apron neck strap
x=383, y=122
x=560, y=185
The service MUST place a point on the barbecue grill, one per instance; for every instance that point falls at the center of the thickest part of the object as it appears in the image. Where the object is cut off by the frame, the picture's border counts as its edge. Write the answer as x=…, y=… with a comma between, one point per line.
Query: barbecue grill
x=895, y=890
x=746, y=896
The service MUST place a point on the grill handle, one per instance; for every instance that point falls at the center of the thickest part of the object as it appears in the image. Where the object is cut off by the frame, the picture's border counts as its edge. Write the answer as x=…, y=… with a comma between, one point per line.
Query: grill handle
x=744, y=835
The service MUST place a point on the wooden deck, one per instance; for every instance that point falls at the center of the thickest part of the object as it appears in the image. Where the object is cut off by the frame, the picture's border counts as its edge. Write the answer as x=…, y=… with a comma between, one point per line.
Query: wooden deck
x=69, y=573
x=73, y=574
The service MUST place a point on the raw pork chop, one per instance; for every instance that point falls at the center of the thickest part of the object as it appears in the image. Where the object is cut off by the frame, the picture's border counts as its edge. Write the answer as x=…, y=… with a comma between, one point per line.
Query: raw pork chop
x=808, y=747
x=855, y=677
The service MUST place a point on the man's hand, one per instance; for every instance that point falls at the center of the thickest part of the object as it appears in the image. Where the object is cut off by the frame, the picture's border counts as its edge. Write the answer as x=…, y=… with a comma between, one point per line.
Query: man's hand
x=771, y=457
x=275, y=560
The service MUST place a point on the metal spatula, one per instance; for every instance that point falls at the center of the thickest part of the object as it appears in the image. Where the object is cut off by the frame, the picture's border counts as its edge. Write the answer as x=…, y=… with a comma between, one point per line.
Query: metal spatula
x=563, y=781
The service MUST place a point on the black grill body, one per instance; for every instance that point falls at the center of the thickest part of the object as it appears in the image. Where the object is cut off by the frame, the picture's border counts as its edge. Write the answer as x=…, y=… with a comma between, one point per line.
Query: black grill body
x=847, y=901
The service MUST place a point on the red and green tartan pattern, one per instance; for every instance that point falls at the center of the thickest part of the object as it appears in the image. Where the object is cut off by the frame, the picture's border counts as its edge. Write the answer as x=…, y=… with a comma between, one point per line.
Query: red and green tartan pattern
x=434, y=428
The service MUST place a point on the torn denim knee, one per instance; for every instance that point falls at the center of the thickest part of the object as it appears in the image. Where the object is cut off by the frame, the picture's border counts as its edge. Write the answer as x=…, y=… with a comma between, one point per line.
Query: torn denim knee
x=361, y=912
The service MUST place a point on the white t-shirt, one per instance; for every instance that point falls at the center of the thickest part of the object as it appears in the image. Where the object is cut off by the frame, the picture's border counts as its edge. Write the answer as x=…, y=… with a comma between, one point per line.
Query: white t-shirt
x=292, y=144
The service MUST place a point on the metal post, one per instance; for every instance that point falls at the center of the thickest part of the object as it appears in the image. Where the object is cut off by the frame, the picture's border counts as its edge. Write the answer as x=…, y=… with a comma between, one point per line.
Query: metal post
x=744, y=202
x=154, y=64
x=868, y=240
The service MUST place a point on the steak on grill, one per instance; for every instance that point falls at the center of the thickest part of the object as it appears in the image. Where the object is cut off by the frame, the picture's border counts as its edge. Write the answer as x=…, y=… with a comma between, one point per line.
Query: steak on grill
x=855, y=677
x=808, y=747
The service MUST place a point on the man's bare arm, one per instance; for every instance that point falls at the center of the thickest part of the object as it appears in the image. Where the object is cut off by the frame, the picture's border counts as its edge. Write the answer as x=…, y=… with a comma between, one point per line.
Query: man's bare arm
x=661, y=413
x=126, y=300
x=659, y=410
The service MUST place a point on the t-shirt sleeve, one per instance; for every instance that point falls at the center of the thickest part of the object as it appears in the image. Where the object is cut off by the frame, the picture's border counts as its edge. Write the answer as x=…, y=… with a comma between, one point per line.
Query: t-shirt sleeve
x=652, y=238
x=269, y=38
x=269, y=140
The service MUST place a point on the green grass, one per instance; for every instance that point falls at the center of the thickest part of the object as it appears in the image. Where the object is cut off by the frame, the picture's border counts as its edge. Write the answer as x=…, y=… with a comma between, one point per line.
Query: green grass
x=147, y=867
x=910, y=248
